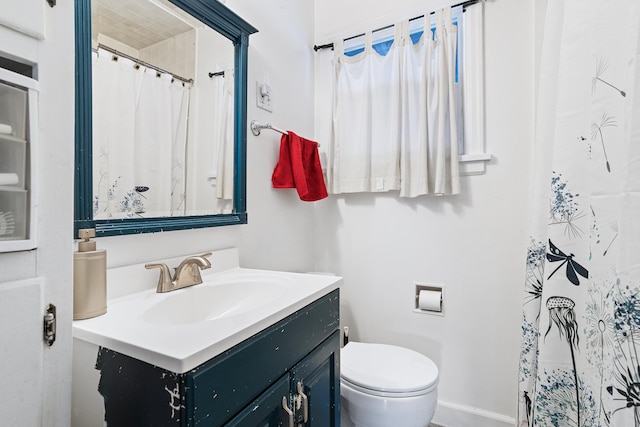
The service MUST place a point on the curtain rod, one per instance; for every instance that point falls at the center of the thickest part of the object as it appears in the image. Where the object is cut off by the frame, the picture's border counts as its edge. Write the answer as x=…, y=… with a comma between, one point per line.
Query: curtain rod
x=139, y=62
x=330, y=45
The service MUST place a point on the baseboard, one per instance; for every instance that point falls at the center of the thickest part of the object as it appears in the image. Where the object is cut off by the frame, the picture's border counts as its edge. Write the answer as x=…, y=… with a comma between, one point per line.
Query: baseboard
x=454, y=415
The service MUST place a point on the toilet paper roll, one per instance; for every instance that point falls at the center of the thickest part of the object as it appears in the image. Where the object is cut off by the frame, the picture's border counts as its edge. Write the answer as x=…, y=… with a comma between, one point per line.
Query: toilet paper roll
x=430, y=300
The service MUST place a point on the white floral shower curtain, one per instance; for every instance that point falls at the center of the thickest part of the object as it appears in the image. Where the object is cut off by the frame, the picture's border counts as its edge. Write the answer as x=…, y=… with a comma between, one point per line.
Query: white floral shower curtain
x=139, y=139
x=580, y=355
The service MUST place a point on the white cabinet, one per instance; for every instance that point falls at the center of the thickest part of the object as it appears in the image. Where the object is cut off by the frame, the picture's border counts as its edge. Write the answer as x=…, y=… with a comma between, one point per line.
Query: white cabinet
x=18, y=133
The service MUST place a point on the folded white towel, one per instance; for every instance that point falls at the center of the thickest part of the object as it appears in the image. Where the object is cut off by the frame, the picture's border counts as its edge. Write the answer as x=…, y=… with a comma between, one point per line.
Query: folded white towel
x=6, y=129
x=9, y=178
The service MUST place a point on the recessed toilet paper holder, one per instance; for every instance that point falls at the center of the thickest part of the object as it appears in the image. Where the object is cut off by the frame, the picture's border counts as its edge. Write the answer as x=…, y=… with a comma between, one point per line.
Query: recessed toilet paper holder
x=429, y=299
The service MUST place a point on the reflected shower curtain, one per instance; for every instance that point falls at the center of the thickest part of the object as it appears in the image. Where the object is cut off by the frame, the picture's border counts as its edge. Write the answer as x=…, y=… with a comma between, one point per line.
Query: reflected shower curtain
x=139, y=139
x=580, y=355
x=223, y=119
x=210, y=179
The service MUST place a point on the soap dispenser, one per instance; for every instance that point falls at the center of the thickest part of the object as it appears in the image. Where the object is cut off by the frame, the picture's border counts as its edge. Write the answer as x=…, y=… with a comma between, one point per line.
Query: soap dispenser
x=89, y=278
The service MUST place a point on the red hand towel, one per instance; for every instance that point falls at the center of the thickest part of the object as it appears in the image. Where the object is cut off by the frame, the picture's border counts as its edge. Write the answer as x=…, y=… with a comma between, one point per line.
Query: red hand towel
x=299, y=167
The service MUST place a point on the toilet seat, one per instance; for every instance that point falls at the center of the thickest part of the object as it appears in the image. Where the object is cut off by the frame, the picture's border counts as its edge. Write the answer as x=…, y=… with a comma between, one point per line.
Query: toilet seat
x=378, y=393
x=387, y=370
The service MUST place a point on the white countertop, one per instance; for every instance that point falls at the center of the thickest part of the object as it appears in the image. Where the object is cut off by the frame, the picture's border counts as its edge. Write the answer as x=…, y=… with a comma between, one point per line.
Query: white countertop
x=134, y=325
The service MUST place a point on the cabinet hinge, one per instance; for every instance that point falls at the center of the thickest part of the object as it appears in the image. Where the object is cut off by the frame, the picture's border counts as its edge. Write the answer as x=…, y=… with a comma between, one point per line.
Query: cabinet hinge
x=301, y=405
x=50, y=325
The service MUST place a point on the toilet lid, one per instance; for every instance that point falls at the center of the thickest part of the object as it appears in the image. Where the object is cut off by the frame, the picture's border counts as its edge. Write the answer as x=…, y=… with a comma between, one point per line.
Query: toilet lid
x=387, y=368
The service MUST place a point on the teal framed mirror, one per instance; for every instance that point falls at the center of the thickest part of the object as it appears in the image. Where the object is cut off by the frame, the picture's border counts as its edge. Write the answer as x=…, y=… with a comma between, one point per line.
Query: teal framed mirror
x=137, y=209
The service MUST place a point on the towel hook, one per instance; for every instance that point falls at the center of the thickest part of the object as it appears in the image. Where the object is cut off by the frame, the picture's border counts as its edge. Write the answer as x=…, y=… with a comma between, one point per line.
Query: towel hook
x=257, y=127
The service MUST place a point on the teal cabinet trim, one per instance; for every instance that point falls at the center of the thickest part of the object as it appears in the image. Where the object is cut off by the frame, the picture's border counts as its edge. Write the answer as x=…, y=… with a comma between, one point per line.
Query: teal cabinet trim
x=227, y=23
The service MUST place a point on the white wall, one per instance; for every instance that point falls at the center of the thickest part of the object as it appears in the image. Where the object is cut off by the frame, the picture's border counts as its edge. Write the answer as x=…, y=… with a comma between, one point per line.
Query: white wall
x=280, y=233
x=474, y=244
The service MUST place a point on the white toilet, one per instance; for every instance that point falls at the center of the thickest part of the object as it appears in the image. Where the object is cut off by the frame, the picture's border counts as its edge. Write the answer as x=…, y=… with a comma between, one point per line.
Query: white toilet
x=384, y=385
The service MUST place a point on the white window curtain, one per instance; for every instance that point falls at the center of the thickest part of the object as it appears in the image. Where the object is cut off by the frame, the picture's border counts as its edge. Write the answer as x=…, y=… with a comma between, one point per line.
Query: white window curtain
x=139, y=139
x=394, y=125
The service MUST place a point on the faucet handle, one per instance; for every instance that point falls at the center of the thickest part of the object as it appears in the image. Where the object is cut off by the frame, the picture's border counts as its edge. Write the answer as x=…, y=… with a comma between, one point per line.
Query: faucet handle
x=205, y=256
x=199, y=262
x=164, y=281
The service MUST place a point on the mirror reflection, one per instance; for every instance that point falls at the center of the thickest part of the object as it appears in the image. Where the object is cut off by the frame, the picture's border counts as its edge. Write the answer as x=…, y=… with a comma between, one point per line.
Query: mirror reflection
x=163, y=102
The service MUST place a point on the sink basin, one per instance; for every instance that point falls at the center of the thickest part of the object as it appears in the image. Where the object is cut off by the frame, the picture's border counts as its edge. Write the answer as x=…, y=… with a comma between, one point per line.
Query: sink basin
x=216, y=299
x=182, y=329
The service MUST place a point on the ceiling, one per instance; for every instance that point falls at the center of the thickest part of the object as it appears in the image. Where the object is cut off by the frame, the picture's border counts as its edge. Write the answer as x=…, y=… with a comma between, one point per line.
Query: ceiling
x=136, y=23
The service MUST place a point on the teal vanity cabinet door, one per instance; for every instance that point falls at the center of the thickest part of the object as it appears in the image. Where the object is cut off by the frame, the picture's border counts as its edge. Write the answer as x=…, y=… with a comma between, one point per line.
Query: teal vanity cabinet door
x=311, y=392
x=316, y=385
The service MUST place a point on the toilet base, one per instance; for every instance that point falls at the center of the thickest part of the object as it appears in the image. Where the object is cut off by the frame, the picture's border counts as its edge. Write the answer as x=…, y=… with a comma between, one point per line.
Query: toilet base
x=363, y=410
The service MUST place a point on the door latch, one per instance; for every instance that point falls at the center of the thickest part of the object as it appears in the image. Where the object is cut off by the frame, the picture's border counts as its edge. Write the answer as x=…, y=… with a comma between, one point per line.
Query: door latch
x=50, y=325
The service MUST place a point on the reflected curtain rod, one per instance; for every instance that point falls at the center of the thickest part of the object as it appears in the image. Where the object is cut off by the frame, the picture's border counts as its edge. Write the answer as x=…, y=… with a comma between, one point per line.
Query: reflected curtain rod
x=330, y=45
x=139, y=62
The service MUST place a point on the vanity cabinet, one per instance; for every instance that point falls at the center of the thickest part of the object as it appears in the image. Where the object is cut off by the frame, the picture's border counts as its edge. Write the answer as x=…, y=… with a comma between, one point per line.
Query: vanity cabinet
x=270, y=379
x=17, y=117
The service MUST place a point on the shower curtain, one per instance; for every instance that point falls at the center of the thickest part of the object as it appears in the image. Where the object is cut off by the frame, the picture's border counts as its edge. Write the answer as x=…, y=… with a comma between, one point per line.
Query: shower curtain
x=580, y=354
x=211, y=152
x=223, y=131
x=139, y=139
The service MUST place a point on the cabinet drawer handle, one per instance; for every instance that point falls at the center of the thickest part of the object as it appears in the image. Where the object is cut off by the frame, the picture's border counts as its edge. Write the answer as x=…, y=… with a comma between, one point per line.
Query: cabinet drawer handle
x=287, y=410
x=305, y=403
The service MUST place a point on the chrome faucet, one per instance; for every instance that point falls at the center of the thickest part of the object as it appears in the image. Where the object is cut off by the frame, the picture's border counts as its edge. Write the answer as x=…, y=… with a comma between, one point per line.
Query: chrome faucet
x=186, y=274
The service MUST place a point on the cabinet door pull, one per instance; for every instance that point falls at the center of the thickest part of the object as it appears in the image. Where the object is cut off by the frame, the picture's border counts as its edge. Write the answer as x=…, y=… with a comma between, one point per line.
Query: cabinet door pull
x=287, y=410
x=305, y=402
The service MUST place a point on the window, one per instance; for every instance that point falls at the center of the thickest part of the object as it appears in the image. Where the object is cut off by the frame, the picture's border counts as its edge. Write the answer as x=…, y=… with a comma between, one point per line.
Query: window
x=351, y=125
x=383, y=40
